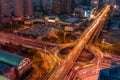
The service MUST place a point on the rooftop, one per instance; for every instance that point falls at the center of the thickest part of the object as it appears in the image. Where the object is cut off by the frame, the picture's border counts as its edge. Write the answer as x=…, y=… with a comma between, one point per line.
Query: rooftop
x=64, y=18
x=10, y=59
x=71, y=19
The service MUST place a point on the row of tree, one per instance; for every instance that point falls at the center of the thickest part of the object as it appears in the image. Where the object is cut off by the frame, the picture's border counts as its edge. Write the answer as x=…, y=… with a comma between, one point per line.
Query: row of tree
x=114, y=48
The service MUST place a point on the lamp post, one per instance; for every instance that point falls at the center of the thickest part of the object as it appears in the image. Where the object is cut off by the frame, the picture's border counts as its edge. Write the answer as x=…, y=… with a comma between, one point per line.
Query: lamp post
x=64, y=36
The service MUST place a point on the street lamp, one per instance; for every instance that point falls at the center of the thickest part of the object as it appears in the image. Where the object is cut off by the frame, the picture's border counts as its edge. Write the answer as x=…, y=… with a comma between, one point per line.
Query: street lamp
x=103, y=42
x=64, y=36
x=98, y=63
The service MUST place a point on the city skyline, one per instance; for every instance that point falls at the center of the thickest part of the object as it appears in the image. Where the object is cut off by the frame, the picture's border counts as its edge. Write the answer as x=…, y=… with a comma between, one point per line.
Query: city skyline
x=59, y=39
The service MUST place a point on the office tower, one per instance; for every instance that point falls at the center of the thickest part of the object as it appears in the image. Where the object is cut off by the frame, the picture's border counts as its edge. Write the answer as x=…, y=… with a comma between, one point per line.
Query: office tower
x=63, y=6
x=0, y=11
x=100, y=4
x=68, y=6
x=5, y=8
x=47, y=6
x=18, y=8
x=112, y=73
x=23, y=8
x=38, y=5
x=41, y=4
x=85, y=3
x=118, y=3
x=56, y=6
x=116, y=10
x=28, y=9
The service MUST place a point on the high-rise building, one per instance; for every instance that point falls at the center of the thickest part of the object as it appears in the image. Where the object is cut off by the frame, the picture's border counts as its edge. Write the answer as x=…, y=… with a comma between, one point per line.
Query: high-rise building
x=5, y=8
x=5, y=12
x=100, y=4
x=112, y=73
x=0, y=10
x=28, y=8
x=63, y=6
x=47, y=6
x=56, y=6
x=68, y=6
x=85, y=3
x=23, y=8
x=38, y=5
x=18, y=8
x=118, y=3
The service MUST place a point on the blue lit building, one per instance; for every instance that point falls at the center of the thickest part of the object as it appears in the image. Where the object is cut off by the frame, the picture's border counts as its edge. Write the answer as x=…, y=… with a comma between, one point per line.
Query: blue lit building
x=112, y=73
x=115, y=22
x=12, y=65
x=100, y=4
x=85, y=3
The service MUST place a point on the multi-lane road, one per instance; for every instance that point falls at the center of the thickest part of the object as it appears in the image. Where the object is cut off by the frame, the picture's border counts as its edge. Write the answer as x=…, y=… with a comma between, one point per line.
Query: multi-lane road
x=24, y=41
x=67, y=64
x=89, y=69
x=31, y=43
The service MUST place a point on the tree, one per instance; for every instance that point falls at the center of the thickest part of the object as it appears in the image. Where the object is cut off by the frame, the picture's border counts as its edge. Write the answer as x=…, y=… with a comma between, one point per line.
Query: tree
x=115, y=49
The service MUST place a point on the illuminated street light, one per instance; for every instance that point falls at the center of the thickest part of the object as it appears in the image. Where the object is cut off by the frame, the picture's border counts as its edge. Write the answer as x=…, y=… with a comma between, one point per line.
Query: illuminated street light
x=115, y=6
x=64, y=36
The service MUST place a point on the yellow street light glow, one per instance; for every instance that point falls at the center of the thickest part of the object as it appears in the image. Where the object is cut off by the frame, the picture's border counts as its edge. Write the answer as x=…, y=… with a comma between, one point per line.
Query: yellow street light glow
x=51, y=20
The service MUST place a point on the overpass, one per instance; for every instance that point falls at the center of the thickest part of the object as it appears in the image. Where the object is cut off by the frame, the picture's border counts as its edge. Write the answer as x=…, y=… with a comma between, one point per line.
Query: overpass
x=68, y=62
x=93, y=37
x=31, y=43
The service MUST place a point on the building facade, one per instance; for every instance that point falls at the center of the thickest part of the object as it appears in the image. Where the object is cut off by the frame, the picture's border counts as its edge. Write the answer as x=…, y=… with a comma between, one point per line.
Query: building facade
x=118, y=3
x=23, y=8
x=48, y=6
x=0, y=11
x=15, y=8
x=56, y=6
x=85, y=2
x=5, y=8
x=100, y=4
x=63, y=6
x=5, y=11
x=18, y=8
x=28, y=8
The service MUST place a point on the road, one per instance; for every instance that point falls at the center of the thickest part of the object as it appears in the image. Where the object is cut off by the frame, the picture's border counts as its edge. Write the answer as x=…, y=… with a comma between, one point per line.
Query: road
x=67, y=64
x=90, y=73
x=78, y=66
x=90, y=70
x=32, y=43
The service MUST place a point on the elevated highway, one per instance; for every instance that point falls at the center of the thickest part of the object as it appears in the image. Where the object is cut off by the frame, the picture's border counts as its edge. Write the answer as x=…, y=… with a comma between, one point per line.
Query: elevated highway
x=31, y=43
x=67, y=64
